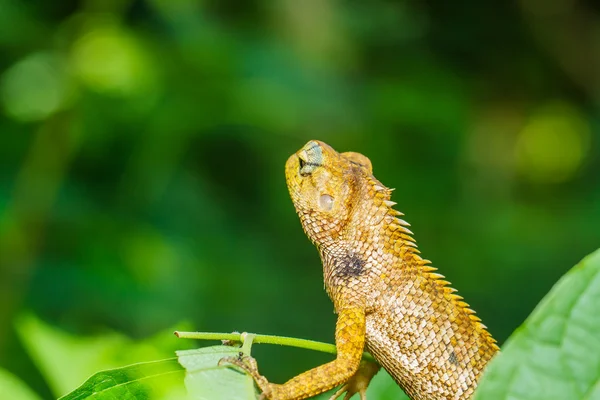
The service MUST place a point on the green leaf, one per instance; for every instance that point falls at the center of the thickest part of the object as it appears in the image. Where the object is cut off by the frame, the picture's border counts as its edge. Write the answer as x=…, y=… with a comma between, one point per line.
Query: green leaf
x=13, y=388
x=151, y=380
x=205, y=380
x=66, y=360
x=555, y=354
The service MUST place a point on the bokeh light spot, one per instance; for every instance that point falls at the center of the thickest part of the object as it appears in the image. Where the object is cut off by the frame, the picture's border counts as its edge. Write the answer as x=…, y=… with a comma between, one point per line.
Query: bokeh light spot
x=35, y=87
x=110, y=60
x=554, y=143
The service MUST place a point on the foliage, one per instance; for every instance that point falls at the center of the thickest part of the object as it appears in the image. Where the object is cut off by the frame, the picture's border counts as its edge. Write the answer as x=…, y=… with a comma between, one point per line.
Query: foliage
x=66, y=360
x=205, y=380
x=553, y=355
x=137, y=381
x=142, y=147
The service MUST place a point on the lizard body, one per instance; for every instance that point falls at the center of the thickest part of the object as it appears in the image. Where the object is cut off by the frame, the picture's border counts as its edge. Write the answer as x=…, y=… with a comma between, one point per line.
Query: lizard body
x=388, y=299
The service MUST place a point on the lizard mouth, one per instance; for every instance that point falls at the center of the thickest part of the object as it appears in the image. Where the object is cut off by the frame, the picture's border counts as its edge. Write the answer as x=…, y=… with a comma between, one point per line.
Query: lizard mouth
x=292, y=172
x=303, y=172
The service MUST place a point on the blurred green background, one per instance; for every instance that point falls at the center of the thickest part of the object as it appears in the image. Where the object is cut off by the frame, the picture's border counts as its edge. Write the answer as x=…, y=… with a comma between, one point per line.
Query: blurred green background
x=143, y=144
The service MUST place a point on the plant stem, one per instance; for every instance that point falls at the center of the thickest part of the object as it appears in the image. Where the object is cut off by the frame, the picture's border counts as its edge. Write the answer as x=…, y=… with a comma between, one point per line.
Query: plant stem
x=267, y=339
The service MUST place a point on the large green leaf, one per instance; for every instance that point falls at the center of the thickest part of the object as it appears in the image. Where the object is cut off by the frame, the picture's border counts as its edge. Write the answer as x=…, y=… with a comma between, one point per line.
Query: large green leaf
x=205, y=380
x=160, y=379
x=555, y=354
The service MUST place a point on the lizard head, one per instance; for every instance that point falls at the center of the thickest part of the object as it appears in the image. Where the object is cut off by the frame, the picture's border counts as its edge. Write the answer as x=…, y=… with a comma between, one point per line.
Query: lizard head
x=324, y=186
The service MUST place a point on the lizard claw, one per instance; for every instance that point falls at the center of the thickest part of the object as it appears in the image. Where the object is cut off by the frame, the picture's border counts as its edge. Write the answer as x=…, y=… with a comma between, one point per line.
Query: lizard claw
x=249, y=365
x=242, y=361
x=359, y=382
x=349, y=393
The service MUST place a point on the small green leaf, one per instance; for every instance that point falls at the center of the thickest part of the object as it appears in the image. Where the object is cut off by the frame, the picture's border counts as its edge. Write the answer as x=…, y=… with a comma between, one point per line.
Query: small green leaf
x=555, y=354
x=150, y=380
x=13, y=388
x=205, y=380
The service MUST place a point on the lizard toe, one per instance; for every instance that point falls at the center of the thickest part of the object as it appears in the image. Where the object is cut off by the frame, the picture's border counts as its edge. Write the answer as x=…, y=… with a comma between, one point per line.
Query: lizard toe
x=249, y=365
x=349, y=391
x=244, y=362
x=359, y=382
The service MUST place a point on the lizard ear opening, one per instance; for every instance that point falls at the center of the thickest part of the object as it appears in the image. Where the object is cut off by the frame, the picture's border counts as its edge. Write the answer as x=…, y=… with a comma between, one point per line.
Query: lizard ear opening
x=326, y=202
x=359, y=159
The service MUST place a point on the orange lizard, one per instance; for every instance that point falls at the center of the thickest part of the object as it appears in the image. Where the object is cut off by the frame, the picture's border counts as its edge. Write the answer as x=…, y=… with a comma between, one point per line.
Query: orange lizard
x=388, y=299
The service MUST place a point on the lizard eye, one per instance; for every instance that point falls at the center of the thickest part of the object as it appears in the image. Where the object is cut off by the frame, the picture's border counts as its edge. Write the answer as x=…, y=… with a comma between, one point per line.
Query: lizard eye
x=302, y=167
x=306, y=167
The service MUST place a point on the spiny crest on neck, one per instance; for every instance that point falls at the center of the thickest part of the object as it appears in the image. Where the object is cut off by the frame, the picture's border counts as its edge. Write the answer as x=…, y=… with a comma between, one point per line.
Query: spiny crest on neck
x=402, y=242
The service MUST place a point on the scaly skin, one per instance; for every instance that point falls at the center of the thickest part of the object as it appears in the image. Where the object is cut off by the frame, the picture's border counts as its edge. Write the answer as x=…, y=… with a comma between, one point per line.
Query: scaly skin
x=386, y=296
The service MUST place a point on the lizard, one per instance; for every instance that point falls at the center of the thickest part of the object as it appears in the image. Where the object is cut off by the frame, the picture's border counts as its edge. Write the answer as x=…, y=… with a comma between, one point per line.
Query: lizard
x=388, y=299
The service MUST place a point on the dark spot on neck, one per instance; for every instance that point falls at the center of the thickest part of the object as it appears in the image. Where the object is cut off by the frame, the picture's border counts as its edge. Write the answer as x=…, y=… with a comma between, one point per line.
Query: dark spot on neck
x=453, y=359
x=350, y=265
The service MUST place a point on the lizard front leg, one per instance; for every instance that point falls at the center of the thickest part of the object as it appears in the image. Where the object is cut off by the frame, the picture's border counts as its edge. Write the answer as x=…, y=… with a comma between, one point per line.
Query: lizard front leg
x=350, y=342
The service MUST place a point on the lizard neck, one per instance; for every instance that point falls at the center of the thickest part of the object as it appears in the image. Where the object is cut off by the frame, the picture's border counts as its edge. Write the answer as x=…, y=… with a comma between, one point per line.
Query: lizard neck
x=357, y=254
x=376, y=246
x=360, y=249
x=354, y=265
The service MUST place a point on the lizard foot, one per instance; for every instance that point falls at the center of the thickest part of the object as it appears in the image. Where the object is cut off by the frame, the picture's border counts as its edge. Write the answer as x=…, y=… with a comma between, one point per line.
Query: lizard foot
x=359, y=382
x=249, y=365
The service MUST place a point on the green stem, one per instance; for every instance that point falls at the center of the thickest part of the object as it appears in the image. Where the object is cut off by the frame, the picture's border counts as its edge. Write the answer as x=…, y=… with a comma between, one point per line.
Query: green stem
x=248, y=340
x=267, y=339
